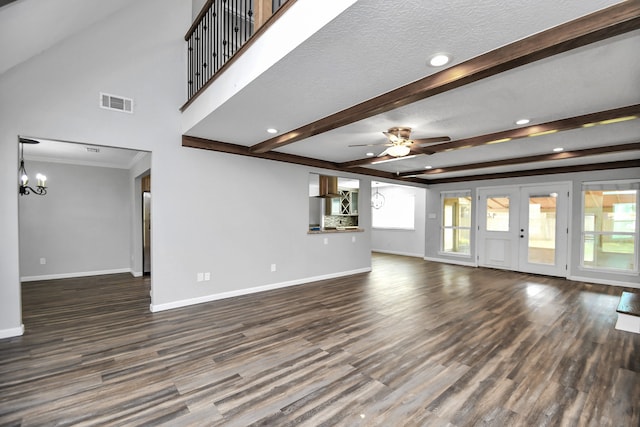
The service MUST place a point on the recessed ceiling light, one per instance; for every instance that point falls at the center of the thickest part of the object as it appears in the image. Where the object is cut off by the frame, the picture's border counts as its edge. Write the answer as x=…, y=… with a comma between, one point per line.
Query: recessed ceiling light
x=522, y=122
x=428, y=167
x=558, y=149
x=370, y=154
x=272, y=130
x=439, y=59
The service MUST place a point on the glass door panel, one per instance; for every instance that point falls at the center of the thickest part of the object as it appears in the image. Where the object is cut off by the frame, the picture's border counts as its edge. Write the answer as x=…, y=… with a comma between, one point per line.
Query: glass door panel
x=541, y=247
x=498, y=213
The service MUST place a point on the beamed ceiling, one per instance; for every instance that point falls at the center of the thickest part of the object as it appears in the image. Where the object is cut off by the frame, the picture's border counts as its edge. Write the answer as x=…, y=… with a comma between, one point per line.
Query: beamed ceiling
x=573, y=70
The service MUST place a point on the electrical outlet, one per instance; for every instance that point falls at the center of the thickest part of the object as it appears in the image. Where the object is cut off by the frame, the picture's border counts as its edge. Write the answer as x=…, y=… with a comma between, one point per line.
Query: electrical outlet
x=200, y=277
x=207, y=276
x=326, y=240
x=43, y=261
x=353, y=239
x=273, y=268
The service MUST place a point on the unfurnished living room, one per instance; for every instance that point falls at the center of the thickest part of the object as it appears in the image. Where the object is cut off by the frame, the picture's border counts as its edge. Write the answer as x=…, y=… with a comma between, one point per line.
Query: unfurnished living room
x=291, y=212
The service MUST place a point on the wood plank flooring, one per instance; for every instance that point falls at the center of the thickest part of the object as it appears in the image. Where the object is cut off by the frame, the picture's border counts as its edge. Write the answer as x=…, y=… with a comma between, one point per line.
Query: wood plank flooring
x=413, y=343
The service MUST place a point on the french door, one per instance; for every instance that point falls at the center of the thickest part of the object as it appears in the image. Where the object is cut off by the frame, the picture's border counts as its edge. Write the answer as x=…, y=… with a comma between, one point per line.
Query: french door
x=524, y=228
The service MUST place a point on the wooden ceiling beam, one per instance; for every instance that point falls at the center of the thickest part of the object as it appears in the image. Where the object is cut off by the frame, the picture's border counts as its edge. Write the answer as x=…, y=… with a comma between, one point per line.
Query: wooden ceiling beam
x=569, y=123
x=635, y=146
x=538, y=171
x=224, y=147
x=612, y=21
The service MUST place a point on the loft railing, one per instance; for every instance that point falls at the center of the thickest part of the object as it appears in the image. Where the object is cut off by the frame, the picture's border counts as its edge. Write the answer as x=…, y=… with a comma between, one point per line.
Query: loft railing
x=219, y=31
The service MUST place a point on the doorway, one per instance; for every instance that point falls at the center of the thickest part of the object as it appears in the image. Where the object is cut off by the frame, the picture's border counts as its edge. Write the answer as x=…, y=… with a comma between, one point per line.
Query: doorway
x=146, y=233
x=524, y=228
x=145, y=186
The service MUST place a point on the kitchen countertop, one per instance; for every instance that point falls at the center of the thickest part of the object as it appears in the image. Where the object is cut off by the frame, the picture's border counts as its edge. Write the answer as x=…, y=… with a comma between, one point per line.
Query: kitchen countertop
x=337, y=230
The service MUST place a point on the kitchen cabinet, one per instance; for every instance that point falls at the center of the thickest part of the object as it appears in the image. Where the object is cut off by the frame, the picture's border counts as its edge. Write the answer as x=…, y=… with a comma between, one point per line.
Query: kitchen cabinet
x=346, y=204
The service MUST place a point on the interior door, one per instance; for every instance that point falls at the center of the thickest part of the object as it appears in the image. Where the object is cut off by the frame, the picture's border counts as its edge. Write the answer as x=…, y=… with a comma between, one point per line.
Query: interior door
x=524, y=228
x=498, y=237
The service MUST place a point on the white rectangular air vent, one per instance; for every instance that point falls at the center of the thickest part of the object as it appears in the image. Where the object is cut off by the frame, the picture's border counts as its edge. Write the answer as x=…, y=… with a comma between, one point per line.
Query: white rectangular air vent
x=115, y=102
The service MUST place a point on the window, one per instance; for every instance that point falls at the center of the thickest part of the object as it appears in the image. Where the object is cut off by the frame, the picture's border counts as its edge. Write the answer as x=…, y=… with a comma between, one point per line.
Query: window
x=456, y=222
x=610, y=226
x=398, y=209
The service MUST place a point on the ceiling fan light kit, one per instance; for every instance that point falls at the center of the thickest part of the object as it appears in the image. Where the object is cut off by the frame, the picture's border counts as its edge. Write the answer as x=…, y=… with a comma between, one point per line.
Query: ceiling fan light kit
x=398, y=150
x=399, y=142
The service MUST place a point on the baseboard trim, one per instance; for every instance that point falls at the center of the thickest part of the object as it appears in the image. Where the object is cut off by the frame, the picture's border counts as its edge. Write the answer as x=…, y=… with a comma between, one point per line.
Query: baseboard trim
x=72, y=275
x=136, y=273
x=397, y=253
x=214, y=297
x=451, y=261
x=604, y=282
x=12, y=332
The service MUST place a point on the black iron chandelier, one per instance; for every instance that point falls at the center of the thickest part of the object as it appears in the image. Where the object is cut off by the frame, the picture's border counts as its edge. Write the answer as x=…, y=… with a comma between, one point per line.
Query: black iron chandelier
x=24, y=189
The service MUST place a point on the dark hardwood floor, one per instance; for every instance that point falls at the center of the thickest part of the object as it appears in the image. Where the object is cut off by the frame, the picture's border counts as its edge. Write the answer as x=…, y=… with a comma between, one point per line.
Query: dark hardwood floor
x=411, y=343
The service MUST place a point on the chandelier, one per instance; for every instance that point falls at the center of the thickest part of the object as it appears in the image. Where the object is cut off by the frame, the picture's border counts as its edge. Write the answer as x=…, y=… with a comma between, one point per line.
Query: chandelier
x=377, y=200
x=23, y=178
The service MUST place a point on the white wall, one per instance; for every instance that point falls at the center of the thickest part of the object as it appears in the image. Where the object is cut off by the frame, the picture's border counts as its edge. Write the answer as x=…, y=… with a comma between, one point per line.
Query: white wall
x=80, y=227
x=402, y=242
x=575, y=220
x=226, y=214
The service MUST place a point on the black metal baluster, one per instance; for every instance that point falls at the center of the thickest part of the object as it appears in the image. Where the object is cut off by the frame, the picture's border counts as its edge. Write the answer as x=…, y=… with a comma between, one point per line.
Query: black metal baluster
x=216, y=38
x=198, y=55
x=236, y=27
x=207, y=50
x=225, y=27
x=190, y=90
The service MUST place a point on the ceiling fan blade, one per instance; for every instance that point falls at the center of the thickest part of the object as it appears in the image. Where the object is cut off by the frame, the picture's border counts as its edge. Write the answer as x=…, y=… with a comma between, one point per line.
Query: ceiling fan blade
x=393, y=138
x=369, y=145
x=384, y=153
x=427, y=151
x=434, y=140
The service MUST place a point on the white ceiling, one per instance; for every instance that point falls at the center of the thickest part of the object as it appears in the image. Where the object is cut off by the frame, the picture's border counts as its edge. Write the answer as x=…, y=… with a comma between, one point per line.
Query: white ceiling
x=376, y=46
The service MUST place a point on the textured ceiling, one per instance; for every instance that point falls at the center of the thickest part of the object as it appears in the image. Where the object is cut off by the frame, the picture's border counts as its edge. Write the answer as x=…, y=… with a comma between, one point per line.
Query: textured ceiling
x=376, y=46
x=57, y=19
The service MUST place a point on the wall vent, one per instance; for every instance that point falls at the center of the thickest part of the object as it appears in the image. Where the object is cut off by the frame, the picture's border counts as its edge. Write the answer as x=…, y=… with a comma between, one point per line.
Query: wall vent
x=115, y=102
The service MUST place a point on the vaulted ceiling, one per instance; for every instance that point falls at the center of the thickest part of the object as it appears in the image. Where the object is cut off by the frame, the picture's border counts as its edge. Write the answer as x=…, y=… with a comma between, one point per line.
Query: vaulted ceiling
x=571, y=68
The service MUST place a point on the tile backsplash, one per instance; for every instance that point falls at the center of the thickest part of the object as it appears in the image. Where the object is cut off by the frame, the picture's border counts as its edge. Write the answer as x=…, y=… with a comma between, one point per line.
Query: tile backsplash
x=340, y=220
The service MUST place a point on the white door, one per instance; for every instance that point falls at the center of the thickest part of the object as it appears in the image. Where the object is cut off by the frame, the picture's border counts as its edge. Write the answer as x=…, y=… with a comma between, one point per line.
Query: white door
x=498, y=227
x=524, y=228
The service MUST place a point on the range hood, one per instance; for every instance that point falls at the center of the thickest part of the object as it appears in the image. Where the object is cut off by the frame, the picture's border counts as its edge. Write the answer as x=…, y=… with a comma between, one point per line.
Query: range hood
x=328, y=187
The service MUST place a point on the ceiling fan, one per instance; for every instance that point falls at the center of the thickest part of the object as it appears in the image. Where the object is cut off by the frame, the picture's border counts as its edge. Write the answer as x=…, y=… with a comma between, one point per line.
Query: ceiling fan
x=400, y=144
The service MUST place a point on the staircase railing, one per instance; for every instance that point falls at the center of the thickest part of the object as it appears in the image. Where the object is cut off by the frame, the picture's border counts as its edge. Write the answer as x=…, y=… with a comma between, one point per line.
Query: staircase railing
x=221, y=28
